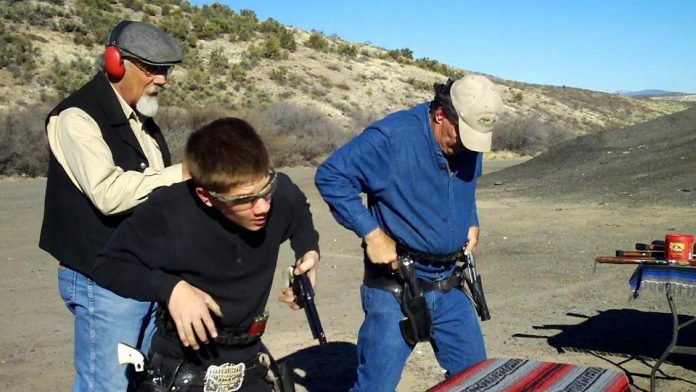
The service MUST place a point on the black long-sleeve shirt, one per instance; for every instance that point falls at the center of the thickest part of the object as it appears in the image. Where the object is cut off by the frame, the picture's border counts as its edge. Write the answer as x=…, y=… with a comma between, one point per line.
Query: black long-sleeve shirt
x=173, y=236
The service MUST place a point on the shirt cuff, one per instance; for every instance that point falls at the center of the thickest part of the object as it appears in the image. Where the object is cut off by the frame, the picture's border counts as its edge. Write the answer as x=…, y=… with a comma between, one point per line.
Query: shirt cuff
x=365, y=225
x=163, y=285
x=172, y=174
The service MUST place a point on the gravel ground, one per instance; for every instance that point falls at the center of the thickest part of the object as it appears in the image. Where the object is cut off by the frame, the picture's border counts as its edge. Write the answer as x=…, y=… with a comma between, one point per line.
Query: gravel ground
x=542, y=226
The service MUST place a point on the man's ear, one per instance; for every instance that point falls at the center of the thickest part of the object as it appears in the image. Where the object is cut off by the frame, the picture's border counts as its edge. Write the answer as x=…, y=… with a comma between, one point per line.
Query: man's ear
x=204, y=196
x=439, y=115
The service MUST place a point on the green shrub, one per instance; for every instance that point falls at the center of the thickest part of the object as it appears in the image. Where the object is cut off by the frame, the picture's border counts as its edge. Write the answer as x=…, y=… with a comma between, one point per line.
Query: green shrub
x=177, y=124
x=135, y=5
x=270, y=25
x=271, y=48
x=324, y=81
x=419, y=84
x=299, y=135
x=176, y=25
x=166, y=9
x=287, y=94
x=68, y=77
x=40, y=15
x=97, y=23
x=347, y=49
x=196, y=80
x=249, y=15
x=527, y=135
x=204, y=28
x=150, y=10
x=17, y=53
x=285, y=35
x=217, y=61
x=436, y=66
x=244, y=28
x=237, y=73
x=294, y=135
x=400, y=55
x=96, y=4
x=287, y=40
x=24, y=148
x=317, y=42
x=280, y=74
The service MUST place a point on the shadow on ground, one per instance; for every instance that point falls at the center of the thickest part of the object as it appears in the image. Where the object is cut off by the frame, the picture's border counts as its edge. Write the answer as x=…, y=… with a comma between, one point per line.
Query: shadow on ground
x=627, y=333
x=329, y=367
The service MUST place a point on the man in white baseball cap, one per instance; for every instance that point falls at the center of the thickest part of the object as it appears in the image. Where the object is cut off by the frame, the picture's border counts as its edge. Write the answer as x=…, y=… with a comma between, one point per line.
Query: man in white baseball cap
x=419, y=168
x=477, y=103
x=473, y=104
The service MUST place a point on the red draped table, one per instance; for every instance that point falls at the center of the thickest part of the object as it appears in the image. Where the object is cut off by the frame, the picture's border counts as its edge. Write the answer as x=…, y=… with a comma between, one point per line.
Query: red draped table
x=500, y=374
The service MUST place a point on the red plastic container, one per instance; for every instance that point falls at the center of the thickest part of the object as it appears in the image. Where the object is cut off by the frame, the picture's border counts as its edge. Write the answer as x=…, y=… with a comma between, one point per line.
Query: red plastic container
x=679, y=248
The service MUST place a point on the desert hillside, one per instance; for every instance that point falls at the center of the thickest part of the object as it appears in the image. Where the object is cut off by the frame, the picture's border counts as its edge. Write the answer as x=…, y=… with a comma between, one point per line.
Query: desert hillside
x=236, y=61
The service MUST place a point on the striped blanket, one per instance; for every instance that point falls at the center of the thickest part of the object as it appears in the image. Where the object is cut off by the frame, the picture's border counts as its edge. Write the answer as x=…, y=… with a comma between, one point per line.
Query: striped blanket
x=682, y=279
x=528, y=375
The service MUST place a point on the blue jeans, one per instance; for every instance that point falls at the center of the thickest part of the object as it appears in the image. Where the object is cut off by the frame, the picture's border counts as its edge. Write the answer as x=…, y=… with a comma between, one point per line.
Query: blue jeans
x=102, y=320
x=382, y=351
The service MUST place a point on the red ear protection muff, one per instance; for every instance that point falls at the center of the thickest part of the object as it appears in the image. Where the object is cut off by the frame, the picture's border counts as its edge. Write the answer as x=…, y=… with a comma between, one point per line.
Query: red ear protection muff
x=113, y=63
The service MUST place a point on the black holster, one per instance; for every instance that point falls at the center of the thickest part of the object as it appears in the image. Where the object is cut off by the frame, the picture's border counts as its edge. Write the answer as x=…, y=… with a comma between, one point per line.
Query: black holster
x=165, y=374
x=416, y=326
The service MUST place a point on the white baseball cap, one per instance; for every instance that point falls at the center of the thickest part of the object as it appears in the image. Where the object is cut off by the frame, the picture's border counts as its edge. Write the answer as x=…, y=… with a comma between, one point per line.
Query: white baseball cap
x=478, y=104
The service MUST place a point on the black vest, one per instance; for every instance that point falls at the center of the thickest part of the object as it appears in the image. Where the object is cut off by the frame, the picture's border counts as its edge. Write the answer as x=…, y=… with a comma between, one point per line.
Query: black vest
x=73, y=229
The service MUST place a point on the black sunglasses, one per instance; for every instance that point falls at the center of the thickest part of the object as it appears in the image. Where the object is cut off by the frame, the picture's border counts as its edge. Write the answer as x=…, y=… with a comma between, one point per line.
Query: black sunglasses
x=151, y=70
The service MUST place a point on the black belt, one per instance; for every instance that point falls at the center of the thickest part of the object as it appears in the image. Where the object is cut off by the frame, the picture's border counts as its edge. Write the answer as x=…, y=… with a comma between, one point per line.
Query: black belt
x=444, y=285
x=383, y=278
x=446, y=260
x=226, y=336
x=379, y=279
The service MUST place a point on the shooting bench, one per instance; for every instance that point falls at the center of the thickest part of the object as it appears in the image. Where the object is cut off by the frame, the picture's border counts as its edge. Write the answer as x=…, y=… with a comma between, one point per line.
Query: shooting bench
x=670, y=279
x=503, y=374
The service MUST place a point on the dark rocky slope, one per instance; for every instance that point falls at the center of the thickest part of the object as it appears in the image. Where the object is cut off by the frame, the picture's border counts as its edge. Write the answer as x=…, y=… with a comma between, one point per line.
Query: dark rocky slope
x=648, y=163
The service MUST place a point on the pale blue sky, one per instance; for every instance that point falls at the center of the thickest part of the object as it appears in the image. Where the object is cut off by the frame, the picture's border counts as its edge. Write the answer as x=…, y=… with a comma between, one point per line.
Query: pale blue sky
x=602, y=45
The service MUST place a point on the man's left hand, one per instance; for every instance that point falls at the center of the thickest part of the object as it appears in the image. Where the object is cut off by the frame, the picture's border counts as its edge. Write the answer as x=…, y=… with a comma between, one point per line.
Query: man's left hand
x=306, y=264
x=472, y=238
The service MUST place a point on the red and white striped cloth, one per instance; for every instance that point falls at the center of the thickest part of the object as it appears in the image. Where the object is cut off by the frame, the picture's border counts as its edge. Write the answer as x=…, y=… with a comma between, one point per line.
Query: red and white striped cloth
x=497, y=374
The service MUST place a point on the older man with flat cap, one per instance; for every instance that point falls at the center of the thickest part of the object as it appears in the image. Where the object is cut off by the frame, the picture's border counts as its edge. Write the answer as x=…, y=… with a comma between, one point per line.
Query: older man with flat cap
x=106, y=156
x=419, y=169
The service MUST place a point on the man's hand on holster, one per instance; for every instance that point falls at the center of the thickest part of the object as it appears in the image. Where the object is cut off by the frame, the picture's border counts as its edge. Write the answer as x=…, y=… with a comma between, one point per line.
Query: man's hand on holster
x=380, y=248
x=190, y=309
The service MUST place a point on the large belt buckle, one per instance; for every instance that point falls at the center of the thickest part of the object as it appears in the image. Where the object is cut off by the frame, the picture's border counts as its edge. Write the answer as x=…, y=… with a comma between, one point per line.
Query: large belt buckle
x=227, y=377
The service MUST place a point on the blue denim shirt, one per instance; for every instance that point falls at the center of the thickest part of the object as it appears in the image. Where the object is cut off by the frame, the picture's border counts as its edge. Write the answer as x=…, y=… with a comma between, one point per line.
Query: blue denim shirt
x=413, y=193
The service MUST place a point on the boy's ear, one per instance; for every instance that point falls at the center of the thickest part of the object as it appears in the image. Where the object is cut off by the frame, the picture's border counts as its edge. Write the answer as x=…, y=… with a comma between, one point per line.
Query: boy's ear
x=204, y=196
x=439, y=114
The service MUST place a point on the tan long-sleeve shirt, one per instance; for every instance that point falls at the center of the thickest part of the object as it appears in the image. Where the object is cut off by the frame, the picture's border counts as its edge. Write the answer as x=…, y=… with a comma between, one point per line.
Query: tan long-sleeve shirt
x=76, y=141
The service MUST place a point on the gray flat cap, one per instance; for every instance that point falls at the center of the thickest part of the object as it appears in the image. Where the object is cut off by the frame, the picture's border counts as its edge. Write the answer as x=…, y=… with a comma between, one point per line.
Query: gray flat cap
x=146, y=42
